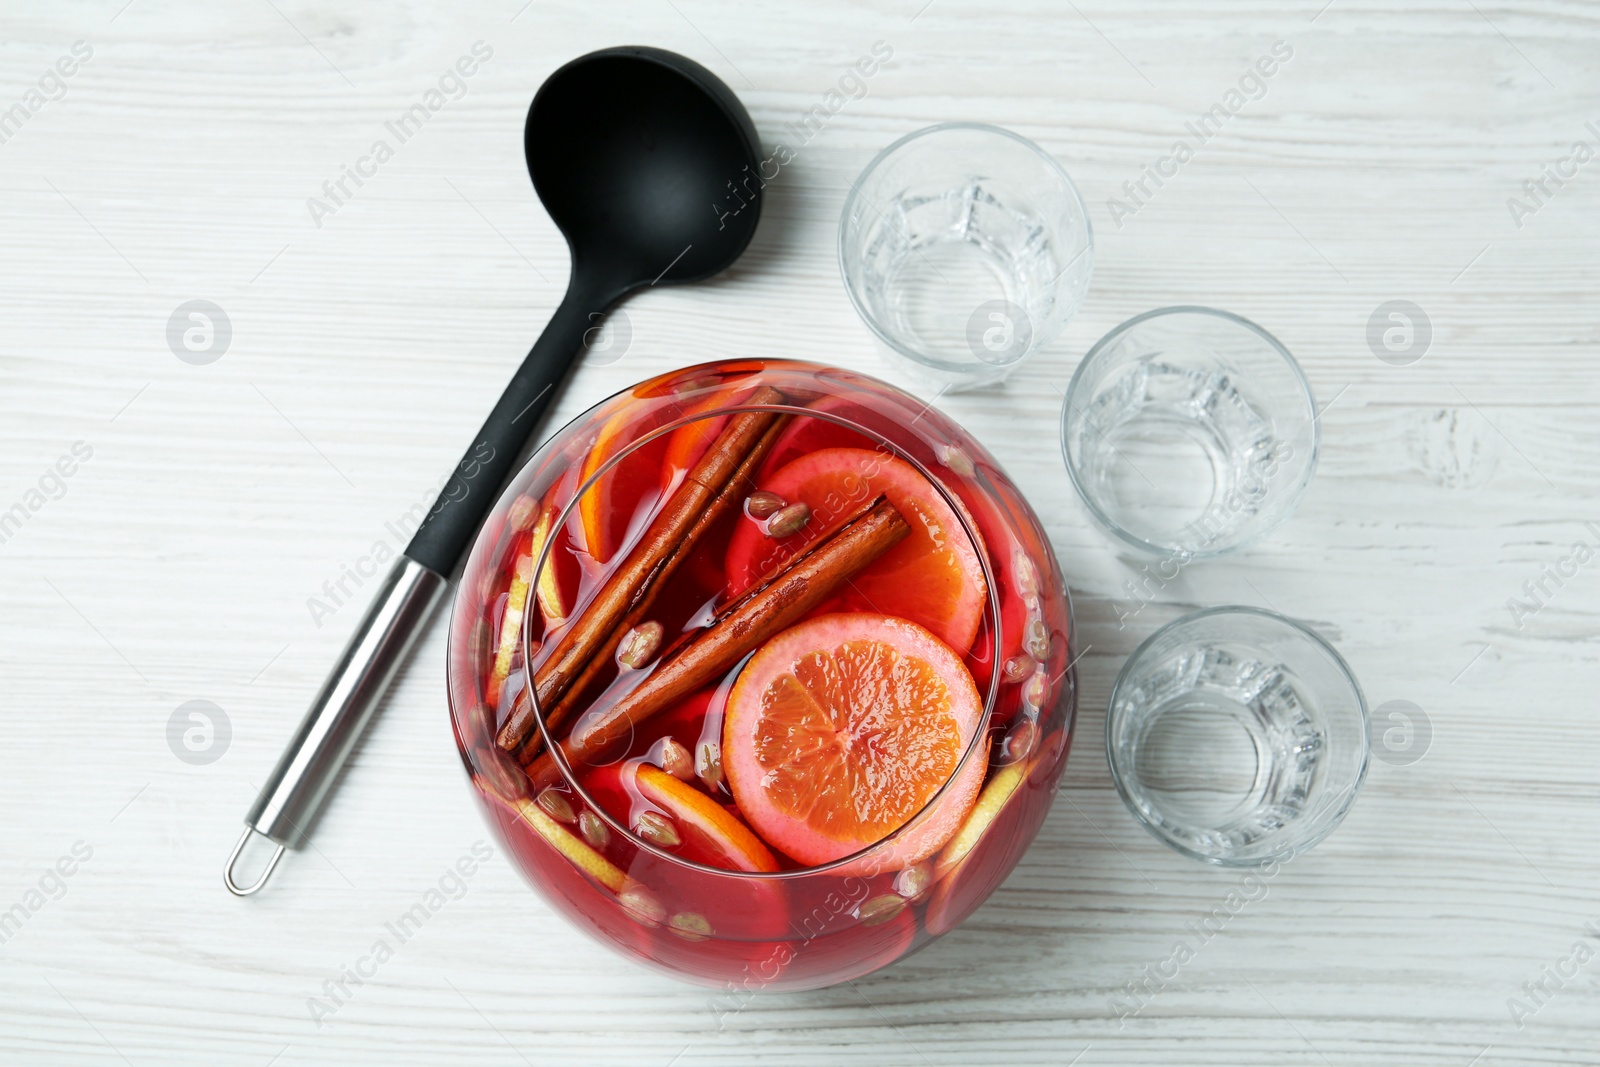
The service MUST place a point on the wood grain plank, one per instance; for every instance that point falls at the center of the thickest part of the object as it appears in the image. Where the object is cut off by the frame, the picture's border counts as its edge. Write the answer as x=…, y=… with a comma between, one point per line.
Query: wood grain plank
x=178, y=562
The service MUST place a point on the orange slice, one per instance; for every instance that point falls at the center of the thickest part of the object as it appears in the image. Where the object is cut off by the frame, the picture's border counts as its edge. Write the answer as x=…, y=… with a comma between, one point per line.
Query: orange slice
x=841, y=729
x=689, y=442
x=614, y=502
x=933, y=577
x=710, y=833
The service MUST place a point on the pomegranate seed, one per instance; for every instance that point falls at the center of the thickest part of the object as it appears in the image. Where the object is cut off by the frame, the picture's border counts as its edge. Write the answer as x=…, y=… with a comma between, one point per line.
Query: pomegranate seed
x=881, y=909
x=1027, y=575
x=957, y=460
x=642, y=906
x=676, y=761
x=788, y=521
x=690, y=926
x=658, y=829
x=912, y=882
x=763, y=504
x=557, y=806
x=1019, y=742
x=1038, y=640
x=1038, y=690
x=639, y=645
x=1018, y=667
x=499, y=774
x=708, y=765
x=594, y=830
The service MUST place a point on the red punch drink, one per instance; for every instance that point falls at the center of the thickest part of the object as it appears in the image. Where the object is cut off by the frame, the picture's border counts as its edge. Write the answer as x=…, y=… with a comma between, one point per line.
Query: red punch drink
x=762, y=670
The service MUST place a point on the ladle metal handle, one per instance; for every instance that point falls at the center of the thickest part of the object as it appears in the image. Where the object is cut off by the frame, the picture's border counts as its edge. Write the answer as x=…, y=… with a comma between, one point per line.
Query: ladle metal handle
x=288, y=803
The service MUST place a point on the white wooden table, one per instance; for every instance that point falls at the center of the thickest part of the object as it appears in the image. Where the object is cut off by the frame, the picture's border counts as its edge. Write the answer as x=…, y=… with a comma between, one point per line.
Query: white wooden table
x=176, y=561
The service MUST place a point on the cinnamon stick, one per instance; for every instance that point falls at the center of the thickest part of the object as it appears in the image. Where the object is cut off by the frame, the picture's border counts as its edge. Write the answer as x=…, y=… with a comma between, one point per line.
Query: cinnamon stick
x=804, y=583
x=622, y=590
x=729, y=497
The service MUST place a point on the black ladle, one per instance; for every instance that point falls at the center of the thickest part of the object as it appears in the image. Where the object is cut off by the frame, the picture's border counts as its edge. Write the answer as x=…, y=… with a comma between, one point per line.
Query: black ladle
x=648, y=164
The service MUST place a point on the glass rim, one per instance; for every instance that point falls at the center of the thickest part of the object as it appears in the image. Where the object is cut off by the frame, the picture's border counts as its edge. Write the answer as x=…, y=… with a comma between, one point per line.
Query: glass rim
x=978, y=742
x=1297, y=493
x=1311, y=638
x=847, y=273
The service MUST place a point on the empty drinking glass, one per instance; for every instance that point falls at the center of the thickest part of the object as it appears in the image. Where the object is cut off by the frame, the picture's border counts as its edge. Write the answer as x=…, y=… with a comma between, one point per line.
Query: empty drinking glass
x=1189, y=431
x=1236, y=735
x=965, y=248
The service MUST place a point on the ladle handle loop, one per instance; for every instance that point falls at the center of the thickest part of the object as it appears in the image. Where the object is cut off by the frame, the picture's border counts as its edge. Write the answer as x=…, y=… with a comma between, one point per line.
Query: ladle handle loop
x=287, y=805
x=447, y=529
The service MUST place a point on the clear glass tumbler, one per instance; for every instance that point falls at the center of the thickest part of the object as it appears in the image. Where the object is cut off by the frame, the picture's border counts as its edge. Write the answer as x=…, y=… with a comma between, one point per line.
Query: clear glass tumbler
x=1189, y=432
x=965, y=248
x=1236, y=735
